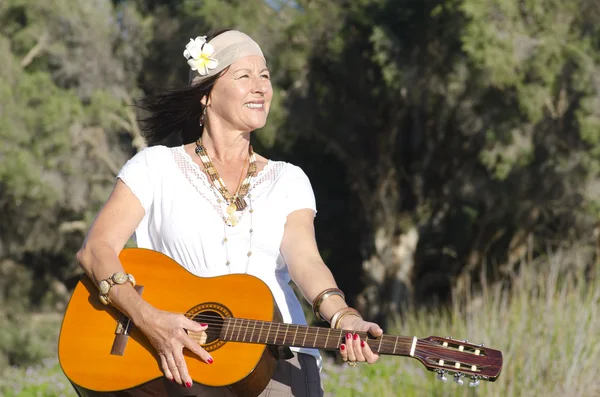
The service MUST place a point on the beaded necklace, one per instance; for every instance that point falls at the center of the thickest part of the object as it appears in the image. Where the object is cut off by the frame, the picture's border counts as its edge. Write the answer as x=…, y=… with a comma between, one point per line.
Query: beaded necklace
x=235, y=202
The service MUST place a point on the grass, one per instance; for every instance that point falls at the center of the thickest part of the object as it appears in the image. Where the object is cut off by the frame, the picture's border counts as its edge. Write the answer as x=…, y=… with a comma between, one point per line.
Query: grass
x=547, y=327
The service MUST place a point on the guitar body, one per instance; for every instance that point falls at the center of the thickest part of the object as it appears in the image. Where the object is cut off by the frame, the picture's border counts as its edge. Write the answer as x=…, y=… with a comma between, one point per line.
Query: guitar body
x=101, y=351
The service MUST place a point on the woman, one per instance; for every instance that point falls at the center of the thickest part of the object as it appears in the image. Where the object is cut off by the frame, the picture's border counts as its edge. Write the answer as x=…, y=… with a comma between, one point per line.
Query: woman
x=216, y=207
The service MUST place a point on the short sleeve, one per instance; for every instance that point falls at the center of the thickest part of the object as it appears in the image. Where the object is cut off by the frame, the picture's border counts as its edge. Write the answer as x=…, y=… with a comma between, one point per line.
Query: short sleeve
x=137, y=175
x=300, y=194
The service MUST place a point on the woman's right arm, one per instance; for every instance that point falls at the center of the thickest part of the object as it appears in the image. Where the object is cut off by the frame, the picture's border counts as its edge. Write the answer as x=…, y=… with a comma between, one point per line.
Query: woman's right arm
x=99, y=258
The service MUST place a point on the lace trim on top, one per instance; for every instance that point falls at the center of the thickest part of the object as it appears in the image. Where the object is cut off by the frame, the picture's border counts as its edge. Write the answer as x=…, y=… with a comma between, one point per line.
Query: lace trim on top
x=205, y=188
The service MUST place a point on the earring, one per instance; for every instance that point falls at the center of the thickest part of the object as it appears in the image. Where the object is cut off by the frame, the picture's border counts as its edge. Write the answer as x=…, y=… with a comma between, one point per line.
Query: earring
x=203, y=116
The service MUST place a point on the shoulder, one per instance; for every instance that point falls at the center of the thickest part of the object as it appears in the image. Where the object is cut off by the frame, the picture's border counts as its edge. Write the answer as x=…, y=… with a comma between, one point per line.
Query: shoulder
x=150, y=157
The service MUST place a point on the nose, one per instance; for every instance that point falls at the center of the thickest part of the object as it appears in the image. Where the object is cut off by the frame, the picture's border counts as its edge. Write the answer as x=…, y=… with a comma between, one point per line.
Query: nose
x=260, y=85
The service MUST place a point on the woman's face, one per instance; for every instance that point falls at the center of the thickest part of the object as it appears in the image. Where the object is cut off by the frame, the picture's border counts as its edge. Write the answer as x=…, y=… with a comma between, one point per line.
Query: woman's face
x=241, y=98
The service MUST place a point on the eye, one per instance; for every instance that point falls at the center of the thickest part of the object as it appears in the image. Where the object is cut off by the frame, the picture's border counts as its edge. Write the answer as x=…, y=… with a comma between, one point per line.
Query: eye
x=243, y=76
x=266, y=76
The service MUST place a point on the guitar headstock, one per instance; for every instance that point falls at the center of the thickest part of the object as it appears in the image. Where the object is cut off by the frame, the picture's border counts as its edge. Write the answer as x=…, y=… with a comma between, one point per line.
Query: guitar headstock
x=460, y=358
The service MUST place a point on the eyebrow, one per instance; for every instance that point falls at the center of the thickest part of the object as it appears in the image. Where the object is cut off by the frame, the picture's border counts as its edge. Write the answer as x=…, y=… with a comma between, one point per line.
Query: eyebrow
x=249, y=71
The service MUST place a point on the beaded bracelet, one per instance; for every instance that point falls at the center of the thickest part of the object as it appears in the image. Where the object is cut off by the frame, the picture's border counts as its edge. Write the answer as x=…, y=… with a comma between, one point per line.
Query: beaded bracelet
x=322, y=296
x=336, y=319
x=117, y=278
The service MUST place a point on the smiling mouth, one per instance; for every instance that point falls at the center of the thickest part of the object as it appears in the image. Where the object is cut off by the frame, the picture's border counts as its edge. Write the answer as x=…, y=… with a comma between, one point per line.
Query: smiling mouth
x=254, y=105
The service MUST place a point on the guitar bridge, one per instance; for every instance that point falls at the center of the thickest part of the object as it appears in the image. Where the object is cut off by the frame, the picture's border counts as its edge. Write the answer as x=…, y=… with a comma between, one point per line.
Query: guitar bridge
x=124, y=325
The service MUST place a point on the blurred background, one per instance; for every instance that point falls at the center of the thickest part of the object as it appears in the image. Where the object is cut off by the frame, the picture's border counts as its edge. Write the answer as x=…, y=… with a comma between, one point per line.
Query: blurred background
x=453, y=146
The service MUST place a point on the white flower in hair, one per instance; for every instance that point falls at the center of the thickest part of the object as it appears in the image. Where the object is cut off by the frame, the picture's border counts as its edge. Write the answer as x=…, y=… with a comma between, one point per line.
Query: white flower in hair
x=198, y=53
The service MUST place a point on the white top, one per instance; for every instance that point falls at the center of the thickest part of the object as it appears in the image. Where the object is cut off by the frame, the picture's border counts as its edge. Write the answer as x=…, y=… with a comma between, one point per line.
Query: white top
x=184, y=220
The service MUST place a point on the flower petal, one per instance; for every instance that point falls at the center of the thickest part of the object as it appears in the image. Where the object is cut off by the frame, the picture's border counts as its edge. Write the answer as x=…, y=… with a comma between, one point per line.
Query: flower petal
x=195, y=64
x=211, y=63
x=195, y=51
x=191, y=43
x=208, y=50
x=186, y=53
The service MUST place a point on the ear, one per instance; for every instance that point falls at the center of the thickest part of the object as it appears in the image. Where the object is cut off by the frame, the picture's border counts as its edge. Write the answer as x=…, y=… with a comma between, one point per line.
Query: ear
x=205, y=100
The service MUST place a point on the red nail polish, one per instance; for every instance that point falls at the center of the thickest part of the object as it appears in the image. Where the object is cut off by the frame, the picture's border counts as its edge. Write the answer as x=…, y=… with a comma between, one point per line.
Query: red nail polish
x=355, y=336
x=348, y=336
x=210, y=360
x=343, y=347
x=188, y=384
x=172, y=379
x=362, y=343
x=204, y=325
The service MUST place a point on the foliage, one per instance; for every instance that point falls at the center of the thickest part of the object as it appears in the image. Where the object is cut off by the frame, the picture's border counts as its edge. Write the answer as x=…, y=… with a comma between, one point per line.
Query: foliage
x=444, y=139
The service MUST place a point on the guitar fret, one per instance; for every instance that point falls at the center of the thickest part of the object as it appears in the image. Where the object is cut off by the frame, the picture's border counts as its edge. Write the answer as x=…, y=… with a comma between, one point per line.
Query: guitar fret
x=238, y=332
x=380, y=340
x=268, y=333
x=295, y=335
x=276, y=332
x=339, y=342
x=327, y=339
x=395, y=344
x=305, y=334
x=253, y=329
x=316, y=336
x=246, y=329
x=231, y=320
x=286, y=332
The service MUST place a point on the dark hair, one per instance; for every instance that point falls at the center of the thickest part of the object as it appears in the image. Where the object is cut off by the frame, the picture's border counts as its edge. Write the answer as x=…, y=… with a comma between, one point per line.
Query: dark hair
x=174, y=116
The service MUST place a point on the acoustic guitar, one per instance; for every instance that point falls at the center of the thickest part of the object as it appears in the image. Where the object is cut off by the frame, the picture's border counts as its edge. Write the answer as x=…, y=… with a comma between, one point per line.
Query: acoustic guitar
x=101, y=350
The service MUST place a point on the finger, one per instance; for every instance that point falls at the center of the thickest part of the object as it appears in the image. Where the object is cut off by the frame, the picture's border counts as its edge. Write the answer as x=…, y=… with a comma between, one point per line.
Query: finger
x=192, y=325
x=375, y=330
x=350, y=347
x=182, y=368
x=173, y=368
x=370, y=357
x=358, y=351
x=195, y=348
x=344, y=352
x=165, y=367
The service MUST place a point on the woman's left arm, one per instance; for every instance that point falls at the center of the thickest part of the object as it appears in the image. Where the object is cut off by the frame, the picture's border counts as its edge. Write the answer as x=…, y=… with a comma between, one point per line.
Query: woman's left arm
x=312, y=276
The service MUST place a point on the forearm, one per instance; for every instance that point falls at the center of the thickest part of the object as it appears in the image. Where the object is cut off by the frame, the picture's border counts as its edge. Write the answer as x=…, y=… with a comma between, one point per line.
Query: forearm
x=312, y=278
x=100, y=261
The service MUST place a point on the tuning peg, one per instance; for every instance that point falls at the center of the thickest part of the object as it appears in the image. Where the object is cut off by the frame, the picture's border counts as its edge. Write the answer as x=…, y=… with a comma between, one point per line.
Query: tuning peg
x=475, y=382
x=441, y=375
x=458, y=380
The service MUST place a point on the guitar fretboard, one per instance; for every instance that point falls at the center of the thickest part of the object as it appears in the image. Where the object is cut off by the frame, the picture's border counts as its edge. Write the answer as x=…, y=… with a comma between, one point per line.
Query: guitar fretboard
x=282, y=334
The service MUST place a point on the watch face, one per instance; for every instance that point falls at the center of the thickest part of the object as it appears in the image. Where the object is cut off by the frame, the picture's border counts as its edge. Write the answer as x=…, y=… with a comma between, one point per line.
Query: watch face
x=119, y=278
x=104, y=287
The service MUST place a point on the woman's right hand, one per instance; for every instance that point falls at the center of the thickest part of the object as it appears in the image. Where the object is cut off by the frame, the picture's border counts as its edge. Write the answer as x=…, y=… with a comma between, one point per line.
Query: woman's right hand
x=167, y=333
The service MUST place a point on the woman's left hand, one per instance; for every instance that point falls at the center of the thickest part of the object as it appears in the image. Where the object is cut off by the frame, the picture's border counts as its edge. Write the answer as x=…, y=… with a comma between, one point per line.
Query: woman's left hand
x=354, y=349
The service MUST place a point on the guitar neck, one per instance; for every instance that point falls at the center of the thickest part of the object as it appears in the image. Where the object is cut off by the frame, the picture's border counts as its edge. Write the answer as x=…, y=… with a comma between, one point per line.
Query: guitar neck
x=293, y=335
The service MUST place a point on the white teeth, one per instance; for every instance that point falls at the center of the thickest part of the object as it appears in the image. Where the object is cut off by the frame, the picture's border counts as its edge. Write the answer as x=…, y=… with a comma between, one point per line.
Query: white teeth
x=254, y=105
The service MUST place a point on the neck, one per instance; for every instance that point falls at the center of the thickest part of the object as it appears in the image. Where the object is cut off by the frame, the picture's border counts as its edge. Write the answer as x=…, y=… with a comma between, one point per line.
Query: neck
x=226, y=146
x=281, y=334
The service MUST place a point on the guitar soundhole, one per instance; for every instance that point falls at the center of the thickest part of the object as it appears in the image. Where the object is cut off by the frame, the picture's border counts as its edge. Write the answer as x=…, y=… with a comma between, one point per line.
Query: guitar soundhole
x=213, y=314
x=215, y=324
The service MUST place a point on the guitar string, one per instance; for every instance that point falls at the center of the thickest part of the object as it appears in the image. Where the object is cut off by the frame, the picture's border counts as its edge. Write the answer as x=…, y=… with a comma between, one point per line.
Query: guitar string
x=384, y=343
x=238, y=325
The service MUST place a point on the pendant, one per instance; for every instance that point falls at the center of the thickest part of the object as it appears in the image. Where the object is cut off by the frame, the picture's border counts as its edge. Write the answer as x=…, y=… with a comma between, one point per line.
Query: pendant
x=240, y=203
x=232, y=220
x=231, y=208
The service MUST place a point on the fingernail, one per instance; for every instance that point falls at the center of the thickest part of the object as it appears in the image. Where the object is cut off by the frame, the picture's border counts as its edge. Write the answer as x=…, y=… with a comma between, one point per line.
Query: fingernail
x=362, y=343
x=204, y=325
x=210, y=360
x=343, y=347
x=188, y=384
x=172, y=379
x=355, y=336
x=348, y=335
